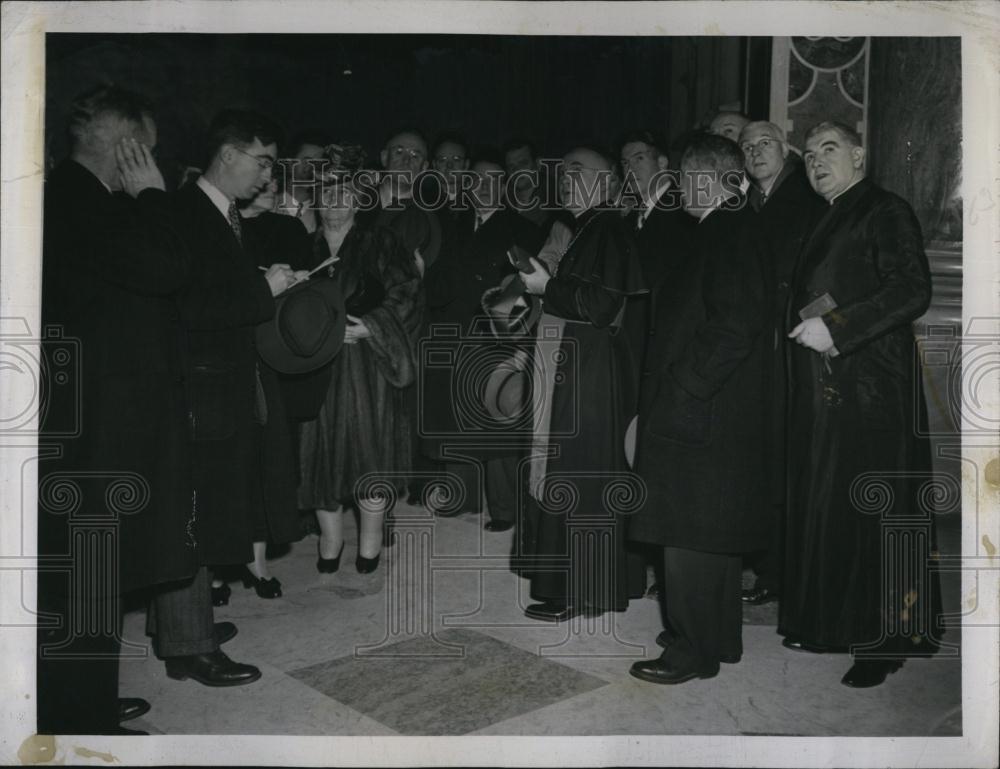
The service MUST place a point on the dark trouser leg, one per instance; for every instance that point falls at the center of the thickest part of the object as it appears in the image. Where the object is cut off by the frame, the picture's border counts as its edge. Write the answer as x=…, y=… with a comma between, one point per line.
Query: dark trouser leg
x=77, y=674
x=501, y=488
x=767, y=563
x=702, y=597
x=470, y=477
x=181, y=617
x=637, y=557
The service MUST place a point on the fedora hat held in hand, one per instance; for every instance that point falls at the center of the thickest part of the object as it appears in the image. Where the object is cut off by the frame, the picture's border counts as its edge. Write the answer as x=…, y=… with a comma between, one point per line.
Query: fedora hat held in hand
x=307, y=329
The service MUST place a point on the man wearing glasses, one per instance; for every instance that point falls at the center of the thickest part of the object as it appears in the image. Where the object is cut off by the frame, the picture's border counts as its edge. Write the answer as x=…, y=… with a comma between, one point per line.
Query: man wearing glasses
x=786, y=208
x=218, y=311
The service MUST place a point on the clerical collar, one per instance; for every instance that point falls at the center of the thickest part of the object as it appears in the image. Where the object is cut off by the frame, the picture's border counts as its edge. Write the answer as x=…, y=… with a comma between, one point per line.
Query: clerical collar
x=217, y=196
x=839, y=194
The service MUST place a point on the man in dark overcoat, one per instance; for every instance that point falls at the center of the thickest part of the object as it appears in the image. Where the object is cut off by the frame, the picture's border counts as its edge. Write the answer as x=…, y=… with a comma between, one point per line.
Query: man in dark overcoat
x=703, y=421
x=219, y=308
x=857, y=462
x=663, y=233
x=457, y=421
x=111, y=266
x=786, y=210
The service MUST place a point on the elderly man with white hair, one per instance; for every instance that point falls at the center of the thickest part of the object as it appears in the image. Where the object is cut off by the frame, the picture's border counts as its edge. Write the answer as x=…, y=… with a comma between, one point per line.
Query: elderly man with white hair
x=786, y=208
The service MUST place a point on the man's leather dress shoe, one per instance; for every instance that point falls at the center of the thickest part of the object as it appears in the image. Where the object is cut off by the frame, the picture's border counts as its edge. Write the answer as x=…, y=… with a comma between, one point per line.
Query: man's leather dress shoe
x=211, y=669
x=658, y=671
x=758, y=595
x=865, y=674
x=551, y=612
x=131, y=707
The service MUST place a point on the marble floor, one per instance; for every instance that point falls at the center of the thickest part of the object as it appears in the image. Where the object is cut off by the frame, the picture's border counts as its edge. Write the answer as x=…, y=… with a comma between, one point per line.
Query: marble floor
x=435, y=643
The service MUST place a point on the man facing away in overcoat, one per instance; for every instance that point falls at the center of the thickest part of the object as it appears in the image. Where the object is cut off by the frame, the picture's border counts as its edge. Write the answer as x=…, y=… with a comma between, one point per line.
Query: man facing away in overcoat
x=703, y=422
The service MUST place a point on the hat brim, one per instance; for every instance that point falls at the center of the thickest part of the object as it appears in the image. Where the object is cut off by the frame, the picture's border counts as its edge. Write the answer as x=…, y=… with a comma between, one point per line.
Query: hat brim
x=272, y=347
x=510, y=372
x=506, y=318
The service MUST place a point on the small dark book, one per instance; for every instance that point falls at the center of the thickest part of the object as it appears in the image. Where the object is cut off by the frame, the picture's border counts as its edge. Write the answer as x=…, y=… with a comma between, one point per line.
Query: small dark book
x=818, y=307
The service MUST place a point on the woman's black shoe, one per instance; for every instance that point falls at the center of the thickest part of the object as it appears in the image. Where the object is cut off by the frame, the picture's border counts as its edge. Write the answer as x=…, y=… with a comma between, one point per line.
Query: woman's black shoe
x=367, y=565
x=329, y=565
x=266, y=588
x=220, y=594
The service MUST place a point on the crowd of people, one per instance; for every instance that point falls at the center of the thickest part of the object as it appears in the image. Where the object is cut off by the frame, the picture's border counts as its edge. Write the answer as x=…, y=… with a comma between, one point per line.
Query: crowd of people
x=295, y=328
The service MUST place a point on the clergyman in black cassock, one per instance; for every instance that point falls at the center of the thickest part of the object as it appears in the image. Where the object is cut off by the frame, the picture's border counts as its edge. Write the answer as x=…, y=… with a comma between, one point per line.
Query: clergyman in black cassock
x=573, y=532
x=860, y=533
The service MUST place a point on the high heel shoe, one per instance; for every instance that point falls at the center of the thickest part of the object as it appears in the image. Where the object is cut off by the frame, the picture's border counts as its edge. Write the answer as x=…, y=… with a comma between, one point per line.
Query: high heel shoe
x=266, y=588
x=220, y=594
x=329, y=565
x=367, y=565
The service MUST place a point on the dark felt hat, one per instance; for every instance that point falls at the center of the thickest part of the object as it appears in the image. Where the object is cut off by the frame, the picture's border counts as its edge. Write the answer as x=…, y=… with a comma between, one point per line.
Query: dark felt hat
x=307, y=329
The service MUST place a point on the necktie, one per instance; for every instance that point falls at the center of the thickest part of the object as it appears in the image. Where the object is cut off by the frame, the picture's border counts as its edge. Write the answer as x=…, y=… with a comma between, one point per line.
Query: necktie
x=479, y=222
x=234, y=222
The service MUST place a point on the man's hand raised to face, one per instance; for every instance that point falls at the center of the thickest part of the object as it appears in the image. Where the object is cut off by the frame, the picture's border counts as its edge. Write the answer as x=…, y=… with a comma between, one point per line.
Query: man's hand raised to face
x=137, y=168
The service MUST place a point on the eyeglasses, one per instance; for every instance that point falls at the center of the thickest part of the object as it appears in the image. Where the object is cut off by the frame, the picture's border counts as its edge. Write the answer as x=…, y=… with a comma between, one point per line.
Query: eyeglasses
x=413, y=154
x=264, y=163
x=452, y=158
x=760, y=145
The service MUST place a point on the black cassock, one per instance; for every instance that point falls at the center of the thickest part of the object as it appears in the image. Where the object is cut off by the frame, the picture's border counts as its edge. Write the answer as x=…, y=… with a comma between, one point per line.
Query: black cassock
x=860, y=536
x=574, y=527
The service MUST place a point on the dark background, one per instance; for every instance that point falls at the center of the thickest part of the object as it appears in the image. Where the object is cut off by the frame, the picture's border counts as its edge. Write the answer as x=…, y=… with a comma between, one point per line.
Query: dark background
x=553, y=90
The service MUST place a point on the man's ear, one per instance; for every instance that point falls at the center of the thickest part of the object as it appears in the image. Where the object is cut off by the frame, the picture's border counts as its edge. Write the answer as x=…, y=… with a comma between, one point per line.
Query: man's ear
x=784, y=151
x=226, y=153
x=858, y=156
x=423, y=166
x=383, y=156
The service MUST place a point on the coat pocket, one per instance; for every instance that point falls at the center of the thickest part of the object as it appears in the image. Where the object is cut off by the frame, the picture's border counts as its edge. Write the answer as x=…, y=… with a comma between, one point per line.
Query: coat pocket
x=212, y=402
x=678, y=416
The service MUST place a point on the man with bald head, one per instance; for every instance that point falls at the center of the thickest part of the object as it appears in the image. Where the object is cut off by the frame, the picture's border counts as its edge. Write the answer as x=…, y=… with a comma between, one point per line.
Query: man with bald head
x=856, y=403
x=728, y=123
x=576, y=555
x=786, y=209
